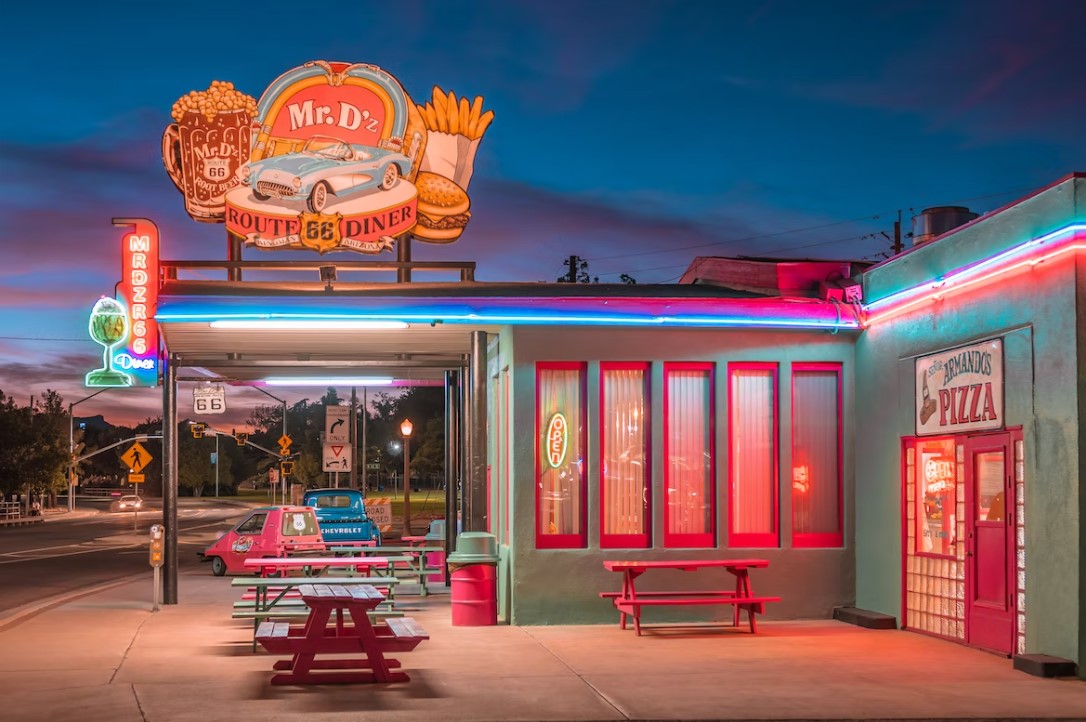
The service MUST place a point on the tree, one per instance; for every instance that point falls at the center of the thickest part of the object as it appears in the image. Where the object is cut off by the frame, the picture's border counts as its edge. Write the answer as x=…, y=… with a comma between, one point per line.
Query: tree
x=578, y=273
x=34, y=455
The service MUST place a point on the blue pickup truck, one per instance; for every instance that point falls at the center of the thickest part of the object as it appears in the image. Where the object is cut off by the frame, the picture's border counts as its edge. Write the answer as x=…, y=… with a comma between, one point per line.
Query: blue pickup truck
x=341, y=515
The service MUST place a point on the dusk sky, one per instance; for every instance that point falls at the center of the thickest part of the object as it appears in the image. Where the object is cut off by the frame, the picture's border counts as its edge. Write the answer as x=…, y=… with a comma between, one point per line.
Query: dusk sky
x=635, y=134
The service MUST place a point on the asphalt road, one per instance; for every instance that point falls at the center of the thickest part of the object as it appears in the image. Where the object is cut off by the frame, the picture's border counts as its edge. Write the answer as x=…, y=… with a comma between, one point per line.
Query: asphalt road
x=67, y=554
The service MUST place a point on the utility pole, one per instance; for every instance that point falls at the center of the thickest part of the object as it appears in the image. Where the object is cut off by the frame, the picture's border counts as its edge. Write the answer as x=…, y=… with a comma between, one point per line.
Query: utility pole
x=897, y=234
x=571, y=277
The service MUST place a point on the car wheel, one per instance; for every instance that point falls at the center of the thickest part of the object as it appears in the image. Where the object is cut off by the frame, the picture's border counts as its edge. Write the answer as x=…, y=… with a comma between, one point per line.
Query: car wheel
x=392, y=174
x=318, y=199
x=218, y=566
x=259, y=196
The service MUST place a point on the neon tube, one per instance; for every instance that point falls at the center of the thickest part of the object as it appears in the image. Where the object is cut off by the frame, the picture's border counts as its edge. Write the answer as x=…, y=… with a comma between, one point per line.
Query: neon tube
x=1030, y=253
x=284, y=324
x=328, y=381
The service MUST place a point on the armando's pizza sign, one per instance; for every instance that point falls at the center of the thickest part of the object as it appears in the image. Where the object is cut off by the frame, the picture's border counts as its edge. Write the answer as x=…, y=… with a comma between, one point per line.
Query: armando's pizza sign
x=960, y=390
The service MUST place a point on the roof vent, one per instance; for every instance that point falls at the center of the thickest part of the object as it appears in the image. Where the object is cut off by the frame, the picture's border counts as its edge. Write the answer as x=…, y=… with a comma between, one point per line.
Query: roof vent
x=934, y=222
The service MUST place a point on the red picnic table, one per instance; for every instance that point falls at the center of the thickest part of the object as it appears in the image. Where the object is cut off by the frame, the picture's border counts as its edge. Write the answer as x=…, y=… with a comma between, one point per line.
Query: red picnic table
x=321, y=636
x=629, y=601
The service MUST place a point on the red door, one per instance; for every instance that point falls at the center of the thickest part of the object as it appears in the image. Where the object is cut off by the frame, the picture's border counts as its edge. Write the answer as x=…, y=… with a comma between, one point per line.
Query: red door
x=989, y=586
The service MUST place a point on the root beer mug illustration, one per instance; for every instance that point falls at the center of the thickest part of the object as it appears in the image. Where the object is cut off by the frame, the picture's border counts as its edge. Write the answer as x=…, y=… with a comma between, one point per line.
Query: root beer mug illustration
x=203, y=148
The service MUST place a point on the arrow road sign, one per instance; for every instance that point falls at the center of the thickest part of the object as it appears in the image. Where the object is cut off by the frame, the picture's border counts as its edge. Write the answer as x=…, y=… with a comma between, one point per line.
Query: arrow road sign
x=336, y=429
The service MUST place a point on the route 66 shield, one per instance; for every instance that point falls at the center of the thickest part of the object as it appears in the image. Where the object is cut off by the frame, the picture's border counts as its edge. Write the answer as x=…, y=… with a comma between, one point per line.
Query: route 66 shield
x=320, y=231
x=217, y=169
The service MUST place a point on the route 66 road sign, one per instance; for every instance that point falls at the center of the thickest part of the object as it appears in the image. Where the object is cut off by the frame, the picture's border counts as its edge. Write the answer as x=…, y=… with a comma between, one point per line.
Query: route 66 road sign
x=209, y=399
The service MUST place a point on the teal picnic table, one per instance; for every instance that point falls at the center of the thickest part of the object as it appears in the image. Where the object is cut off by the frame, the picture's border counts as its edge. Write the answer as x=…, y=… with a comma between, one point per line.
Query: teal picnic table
x=409, y=561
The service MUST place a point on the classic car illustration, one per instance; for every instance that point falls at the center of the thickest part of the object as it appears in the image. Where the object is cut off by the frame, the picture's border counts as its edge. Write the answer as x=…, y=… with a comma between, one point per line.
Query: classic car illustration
x=324, y=167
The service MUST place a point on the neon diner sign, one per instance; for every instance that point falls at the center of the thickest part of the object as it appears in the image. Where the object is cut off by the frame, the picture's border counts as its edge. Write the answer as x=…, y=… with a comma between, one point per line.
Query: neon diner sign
x=138, y=291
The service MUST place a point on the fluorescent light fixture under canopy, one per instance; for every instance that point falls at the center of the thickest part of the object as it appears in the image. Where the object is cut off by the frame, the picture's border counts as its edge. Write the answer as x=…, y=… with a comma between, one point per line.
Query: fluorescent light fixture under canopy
x=283, y=324
x=328, y=381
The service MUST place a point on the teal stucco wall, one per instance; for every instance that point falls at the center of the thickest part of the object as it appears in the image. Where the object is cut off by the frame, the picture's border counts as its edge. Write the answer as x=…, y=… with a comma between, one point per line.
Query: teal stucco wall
x=1036, y=313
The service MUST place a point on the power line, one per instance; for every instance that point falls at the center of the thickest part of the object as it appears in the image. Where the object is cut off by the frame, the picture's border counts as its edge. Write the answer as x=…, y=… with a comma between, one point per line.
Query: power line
x=735, y=240
x=873, y=217
x=40, y=338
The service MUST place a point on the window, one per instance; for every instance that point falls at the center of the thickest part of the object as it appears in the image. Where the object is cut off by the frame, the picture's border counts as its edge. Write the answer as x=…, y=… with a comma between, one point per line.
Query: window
x=935, y=496
x=752, y=454
x=625, y=508
x=296, y=523
x=689, y=479
x=816, y=455
x=561, y=492
x=254, y=524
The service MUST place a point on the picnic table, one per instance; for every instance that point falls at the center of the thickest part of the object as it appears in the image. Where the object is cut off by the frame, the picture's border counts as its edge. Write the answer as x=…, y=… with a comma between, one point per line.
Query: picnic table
x=316, y=566
x=629, y=600
x=409, y=560
x=265, y=598
x=322, y=636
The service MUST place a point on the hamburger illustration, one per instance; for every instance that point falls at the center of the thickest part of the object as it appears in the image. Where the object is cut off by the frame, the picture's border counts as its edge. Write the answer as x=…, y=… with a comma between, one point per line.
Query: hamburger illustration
x=443, y=209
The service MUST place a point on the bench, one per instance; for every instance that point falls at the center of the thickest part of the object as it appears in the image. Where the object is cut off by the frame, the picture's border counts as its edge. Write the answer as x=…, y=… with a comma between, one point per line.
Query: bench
x=397, y=634
x=629, y=601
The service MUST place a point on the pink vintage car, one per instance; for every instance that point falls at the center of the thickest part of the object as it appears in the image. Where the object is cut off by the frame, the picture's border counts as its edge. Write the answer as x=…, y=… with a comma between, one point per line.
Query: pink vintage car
x=265, y=532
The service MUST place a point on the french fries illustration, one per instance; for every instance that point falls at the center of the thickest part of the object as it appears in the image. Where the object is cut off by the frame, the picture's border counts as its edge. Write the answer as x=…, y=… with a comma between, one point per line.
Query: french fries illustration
x=444, y=113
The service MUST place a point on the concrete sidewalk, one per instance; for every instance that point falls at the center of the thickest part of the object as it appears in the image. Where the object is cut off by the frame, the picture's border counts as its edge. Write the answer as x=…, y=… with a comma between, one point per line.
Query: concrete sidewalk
x=105, y=656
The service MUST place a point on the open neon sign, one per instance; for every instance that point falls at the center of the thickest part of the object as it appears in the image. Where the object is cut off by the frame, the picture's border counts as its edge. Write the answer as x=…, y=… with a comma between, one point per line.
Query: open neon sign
x=557, y=440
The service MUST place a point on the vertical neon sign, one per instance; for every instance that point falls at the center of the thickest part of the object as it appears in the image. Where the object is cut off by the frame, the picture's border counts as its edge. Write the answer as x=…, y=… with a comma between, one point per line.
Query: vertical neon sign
x=138, y=355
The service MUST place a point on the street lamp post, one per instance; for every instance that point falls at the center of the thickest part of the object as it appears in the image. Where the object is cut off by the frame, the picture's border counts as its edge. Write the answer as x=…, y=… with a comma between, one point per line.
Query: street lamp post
x=71, y=447
x=405, y=428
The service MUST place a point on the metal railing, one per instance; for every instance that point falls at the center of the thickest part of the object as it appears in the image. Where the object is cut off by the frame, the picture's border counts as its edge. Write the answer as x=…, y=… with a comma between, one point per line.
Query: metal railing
x=10, y=510
x=462, y=271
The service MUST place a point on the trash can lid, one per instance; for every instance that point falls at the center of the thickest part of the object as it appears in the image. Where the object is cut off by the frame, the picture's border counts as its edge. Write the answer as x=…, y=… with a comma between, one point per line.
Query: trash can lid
x=475, y=547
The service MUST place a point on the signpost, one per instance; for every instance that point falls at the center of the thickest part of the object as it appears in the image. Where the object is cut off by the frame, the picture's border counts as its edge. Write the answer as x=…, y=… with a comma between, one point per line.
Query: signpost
x=336, y=428
x=137, y=457
x=209, y=399
x=337, y=457
x=379, y=510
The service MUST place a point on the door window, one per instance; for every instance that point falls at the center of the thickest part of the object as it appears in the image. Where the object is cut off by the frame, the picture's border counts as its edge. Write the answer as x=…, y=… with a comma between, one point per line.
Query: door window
x=989, y=478
x=254, y=524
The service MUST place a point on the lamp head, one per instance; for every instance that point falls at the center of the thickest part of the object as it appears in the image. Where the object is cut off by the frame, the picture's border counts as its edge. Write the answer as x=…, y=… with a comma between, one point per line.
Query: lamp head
x=406, y=427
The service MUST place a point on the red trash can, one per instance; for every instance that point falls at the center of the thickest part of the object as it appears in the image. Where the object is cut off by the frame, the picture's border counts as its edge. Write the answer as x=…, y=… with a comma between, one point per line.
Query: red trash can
x=474, y=580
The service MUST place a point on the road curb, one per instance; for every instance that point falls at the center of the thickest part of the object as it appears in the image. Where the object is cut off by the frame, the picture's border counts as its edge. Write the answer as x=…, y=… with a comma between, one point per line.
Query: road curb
x=28, y=611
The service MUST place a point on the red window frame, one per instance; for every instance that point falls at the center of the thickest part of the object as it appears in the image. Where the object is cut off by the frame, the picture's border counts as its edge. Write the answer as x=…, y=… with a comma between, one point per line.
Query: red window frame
x=563, y=541
x=707, y=539
x=751, y=540
x=808, y=540
x=914, y=442
x=627, y=541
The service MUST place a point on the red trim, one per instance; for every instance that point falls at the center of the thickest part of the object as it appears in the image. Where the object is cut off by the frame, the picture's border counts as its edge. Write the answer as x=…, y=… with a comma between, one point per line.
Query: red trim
x=628, y=541
x=903, y=469
x=563, y=541
x=504, y=434
x=811, y=540
x=762, y=539
x=707, y=539
x=918, y=519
